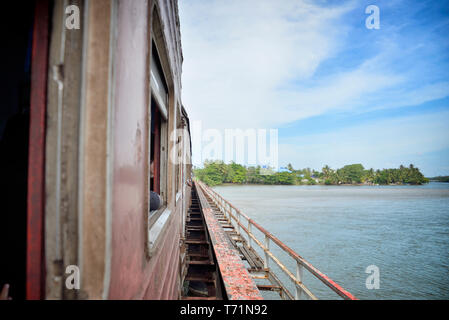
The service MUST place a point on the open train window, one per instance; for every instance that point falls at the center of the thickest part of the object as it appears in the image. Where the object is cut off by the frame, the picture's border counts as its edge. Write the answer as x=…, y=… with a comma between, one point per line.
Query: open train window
x=158, y=158
x=159, y=140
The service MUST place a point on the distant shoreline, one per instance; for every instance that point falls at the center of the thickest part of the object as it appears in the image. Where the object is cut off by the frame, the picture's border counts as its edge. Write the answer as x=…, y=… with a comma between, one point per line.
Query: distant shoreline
x=217, y=173
x=439, y=179
x=321, y=184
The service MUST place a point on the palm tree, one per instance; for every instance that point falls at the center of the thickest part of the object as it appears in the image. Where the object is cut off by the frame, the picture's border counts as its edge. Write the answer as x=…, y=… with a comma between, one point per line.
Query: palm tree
x=326, y=171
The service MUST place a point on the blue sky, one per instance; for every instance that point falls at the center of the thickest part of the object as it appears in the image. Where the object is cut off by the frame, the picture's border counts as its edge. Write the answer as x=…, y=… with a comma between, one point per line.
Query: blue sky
x=337, y=92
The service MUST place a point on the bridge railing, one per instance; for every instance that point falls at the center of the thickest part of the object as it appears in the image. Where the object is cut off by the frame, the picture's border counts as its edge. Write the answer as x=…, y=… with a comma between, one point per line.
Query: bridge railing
x=245, y=224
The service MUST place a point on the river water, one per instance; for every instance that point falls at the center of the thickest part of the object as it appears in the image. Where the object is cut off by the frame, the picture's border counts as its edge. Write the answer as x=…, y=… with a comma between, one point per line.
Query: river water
x=341, y=230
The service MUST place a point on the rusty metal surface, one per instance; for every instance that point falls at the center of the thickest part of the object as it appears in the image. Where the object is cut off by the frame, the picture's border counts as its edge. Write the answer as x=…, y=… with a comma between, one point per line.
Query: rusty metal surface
x=301, y=262
x=238, y=282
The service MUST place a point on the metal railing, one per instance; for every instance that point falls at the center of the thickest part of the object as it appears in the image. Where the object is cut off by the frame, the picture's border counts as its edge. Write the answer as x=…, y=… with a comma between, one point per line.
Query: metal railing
x=235, y=215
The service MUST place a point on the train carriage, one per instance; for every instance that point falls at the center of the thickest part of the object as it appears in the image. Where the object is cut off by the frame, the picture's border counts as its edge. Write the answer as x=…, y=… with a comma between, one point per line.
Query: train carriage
x=103, y=125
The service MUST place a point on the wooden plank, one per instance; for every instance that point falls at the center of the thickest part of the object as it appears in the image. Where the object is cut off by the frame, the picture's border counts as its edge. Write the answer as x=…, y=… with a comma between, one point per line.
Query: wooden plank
x=195, y=228
x=269, y=287
x=201, y=262
x=248, y=257
x=196, y=242
x=256, y=258
x=199, y=278
x=258, y=274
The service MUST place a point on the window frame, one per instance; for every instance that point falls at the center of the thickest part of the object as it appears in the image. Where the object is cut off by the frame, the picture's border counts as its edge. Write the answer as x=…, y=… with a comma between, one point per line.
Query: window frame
x=157, y=221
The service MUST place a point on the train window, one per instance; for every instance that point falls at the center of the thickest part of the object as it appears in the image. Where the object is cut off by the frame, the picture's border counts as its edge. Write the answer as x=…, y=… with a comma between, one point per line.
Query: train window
x=158, y=159
x=159, y=136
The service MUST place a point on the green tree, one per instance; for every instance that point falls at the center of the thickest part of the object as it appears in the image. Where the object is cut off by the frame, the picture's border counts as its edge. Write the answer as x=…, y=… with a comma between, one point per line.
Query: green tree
x=352, y=173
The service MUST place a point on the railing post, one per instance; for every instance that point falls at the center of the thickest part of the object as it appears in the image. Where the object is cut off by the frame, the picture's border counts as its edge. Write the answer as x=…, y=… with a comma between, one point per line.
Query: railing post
x=299, y=271
x=225, y=209
x=238, y=222
x=250, y=232
x=267, y=248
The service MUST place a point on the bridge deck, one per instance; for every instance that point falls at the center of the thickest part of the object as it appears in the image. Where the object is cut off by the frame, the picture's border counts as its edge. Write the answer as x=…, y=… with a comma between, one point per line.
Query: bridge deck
x=246, y=253
x=236, y=279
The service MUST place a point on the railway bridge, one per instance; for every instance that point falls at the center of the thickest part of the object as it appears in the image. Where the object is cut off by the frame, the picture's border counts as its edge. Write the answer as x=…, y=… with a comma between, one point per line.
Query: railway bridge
x=229, y=260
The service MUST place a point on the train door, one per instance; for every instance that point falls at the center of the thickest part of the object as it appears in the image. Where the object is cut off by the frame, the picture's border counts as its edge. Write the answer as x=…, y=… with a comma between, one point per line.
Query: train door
x=24, y=35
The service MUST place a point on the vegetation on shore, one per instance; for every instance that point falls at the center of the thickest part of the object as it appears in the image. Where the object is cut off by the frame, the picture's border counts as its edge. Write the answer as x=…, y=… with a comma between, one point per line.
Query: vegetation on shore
x=217, y=172
x=440, y=179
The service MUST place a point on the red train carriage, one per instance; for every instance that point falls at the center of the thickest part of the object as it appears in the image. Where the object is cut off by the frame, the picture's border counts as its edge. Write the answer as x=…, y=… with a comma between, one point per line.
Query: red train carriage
x=85, y=112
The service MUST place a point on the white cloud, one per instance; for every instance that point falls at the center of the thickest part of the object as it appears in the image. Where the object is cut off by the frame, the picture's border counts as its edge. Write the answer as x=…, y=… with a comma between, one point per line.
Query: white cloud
x=344, y=91
x=238, y=53
x=403, y=97
x=241, y=59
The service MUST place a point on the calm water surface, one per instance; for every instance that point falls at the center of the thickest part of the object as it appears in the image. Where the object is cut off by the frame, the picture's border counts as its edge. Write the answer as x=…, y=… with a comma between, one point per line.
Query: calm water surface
x=403, y=230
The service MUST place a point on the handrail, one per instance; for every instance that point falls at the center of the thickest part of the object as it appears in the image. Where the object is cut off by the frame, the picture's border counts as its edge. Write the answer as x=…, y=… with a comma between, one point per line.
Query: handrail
x=300, y=261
